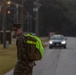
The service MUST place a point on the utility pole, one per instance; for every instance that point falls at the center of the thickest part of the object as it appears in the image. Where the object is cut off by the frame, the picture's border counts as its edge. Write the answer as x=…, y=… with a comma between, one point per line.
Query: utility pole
x=22, y=14
x=4, y=24
x=17, y=13
x=21, y=17
x=37, y=27
x=36, y=9
x=28, y=24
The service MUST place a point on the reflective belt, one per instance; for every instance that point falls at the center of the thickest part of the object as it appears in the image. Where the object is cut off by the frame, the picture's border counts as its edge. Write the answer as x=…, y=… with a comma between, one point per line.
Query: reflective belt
x=31, y=42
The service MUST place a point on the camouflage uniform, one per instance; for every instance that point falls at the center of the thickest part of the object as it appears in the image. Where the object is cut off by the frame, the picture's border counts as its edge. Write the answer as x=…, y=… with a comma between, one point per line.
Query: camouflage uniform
x=22, y=66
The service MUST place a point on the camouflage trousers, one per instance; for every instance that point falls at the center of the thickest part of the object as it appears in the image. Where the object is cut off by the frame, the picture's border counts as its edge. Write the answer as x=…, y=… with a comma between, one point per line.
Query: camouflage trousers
x=22, y=69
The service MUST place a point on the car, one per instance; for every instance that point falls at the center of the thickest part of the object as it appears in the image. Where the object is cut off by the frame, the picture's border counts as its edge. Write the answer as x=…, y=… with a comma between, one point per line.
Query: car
x=57, y=41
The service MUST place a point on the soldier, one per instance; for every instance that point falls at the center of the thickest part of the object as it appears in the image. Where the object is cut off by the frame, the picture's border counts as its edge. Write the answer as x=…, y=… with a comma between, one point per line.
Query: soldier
x=23, y=65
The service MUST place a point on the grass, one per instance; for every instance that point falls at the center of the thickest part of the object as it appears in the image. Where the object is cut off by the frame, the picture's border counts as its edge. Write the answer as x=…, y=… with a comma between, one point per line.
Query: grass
x=8, y=57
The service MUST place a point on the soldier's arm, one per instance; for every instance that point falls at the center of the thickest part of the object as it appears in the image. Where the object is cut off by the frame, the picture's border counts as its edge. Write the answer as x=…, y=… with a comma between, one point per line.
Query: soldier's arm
x=21, y=48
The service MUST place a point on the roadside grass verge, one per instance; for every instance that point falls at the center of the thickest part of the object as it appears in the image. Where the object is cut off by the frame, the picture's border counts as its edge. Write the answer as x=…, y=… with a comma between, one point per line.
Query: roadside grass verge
x=7, y=58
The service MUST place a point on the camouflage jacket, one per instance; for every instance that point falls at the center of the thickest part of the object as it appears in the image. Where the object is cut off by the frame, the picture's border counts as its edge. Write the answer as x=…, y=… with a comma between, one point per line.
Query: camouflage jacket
x=21, y=48
x=23, y=65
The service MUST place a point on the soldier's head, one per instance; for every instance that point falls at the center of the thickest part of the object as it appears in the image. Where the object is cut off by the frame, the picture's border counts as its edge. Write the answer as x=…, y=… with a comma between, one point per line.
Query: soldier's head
x=17, y=28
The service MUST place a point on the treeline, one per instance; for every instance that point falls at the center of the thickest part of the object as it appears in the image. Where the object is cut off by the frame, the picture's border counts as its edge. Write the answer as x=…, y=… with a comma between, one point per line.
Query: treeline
x=57, y=16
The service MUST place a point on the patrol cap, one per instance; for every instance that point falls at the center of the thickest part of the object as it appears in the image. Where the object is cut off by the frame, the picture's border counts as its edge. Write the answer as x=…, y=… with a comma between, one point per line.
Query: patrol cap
x=16, y=26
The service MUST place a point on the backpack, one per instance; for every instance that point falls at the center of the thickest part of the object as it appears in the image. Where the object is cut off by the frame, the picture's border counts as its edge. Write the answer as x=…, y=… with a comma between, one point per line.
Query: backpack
x=35, y=48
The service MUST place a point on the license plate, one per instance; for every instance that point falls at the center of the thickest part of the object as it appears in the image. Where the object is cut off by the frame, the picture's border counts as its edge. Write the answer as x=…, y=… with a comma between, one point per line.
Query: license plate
x=57, y=44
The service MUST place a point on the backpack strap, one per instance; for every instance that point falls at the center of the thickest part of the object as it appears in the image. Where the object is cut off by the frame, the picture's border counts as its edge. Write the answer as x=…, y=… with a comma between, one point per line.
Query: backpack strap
x=31, y=42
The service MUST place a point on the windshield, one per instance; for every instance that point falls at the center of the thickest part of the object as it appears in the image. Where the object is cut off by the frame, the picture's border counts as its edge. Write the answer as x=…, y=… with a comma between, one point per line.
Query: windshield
x=57, y=38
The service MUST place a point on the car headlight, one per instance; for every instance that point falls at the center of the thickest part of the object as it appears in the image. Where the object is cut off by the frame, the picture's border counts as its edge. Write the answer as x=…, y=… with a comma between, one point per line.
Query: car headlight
x=50, y=42
x=63, y=42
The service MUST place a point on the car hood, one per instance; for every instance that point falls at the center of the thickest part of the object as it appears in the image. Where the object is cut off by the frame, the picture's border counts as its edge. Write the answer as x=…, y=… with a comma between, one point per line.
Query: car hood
x=57, y=40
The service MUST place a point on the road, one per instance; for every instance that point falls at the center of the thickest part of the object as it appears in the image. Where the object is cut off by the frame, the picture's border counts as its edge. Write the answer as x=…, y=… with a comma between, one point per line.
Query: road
x=57, y=61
